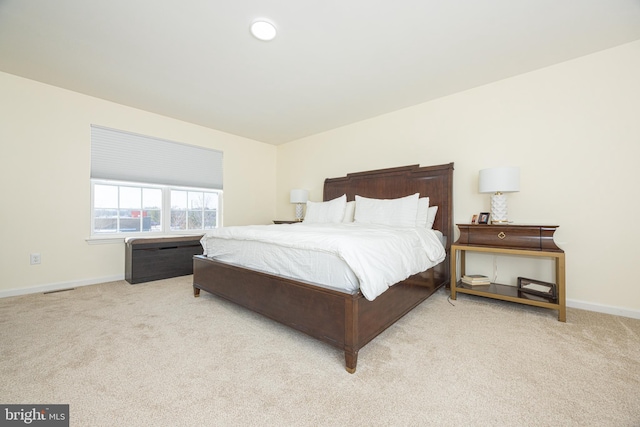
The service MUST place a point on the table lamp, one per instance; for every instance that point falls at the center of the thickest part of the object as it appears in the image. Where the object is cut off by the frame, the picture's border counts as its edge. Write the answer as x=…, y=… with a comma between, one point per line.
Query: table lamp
x=299, y=197
x=498, y=181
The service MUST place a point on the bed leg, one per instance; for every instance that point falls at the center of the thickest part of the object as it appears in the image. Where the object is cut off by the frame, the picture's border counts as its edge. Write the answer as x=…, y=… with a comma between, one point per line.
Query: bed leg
x=351, y=360
x=196, y=292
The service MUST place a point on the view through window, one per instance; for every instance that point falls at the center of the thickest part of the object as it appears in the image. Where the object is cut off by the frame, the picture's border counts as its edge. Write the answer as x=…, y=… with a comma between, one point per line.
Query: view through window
x=121, y=207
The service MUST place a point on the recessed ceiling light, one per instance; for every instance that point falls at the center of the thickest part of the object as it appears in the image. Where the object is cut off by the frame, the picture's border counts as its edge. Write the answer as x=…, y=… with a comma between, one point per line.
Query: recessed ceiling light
x=263, y=30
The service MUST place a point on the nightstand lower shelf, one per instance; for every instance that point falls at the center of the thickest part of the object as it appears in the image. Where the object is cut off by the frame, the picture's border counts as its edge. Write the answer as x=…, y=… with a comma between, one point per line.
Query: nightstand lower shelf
x=507, y=293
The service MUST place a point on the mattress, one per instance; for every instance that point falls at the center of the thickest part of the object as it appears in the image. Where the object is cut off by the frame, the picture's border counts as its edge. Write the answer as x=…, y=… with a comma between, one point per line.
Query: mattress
x=310, y=263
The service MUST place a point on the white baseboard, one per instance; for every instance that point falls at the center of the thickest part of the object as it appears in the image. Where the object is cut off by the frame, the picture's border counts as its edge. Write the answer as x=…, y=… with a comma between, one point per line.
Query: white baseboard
x=58, y=286
x=601, y=308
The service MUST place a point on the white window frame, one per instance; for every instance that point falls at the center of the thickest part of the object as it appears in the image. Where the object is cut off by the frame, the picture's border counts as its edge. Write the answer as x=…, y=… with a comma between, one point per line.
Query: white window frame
x=168, y=208
x=165, y=229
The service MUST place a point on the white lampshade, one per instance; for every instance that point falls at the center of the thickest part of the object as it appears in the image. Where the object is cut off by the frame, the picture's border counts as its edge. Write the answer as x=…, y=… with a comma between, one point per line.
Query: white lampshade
x=299, y=196
x=499, y=180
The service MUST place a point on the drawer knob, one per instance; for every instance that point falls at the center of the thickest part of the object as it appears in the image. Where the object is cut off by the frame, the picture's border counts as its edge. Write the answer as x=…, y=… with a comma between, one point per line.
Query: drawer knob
x=501, y=235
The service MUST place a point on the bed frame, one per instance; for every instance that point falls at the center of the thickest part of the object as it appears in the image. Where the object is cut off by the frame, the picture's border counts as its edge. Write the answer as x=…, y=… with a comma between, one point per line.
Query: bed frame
x=345, y=321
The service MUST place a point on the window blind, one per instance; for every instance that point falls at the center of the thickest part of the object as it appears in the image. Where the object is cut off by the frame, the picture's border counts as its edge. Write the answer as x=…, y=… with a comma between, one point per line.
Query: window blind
x=124, y=156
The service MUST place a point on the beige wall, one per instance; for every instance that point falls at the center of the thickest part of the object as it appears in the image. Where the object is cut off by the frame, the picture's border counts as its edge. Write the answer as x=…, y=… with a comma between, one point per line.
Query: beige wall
x=573, y=129
x=45, y=137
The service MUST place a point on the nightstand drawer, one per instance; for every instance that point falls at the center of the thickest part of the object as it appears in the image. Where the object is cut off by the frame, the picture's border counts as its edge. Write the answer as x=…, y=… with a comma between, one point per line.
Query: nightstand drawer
x=528, y=237
x=505, y=236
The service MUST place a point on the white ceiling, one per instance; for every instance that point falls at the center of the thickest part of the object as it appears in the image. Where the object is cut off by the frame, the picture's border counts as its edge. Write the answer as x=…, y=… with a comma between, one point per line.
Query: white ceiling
x=334, y=62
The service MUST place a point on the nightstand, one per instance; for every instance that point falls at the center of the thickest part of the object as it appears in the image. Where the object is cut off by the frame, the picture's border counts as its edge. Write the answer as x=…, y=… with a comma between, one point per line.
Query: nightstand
x=525, y=240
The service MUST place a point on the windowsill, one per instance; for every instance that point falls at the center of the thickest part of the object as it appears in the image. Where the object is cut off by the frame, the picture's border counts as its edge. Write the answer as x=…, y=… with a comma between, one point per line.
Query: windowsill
x=104, y=240
x=109, y=240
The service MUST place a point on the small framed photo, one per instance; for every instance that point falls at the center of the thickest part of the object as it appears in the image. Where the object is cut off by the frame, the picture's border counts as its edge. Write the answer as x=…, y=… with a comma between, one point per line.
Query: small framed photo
x=474, y=219
x=483, y=218
x=536, y=287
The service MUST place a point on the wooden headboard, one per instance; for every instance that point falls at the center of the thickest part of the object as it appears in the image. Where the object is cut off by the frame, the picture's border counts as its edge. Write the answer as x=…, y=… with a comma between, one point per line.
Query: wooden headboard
x=435, y=182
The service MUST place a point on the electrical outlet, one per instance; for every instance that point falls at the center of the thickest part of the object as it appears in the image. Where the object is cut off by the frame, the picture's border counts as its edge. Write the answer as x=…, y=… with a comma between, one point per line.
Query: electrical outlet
x=35, y=258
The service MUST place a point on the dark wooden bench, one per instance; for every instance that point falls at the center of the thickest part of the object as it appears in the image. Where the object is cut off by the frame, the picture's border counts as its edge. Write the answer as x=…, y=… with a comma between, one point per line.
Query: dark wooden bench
x=155, y=258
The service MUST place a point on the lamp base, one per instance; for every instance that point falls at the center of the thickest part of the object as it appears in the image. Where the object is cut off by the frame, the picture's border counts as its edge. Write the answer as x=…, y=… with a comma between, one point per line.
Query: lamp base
x=298, y=211
x=499, y=208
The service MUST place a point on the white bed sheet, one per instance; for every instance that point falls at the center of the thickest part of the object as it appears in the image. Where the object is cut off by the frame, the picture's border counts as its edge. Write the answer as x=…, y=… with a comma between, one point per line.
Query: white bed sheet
x=318, y=259
x=306, y=265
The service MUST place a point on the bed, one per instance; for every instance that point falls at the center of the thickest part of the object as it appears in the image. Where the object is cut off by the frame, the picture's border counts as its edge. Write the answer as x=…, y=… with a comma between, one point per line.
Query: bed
x=347, y=321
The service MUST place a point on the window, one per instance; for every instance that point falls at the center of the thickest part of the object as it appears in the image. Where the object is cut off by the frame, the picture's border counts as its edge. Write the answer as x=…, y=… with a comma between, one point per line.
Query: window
x=193, y=210
x=124, y=207
x=145, y=185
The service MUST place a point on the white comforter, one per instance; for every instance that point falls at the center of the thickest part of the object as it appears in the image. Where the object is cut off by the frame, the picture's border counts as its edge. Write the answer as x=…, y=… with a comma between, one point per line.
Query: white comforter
x=378, y=255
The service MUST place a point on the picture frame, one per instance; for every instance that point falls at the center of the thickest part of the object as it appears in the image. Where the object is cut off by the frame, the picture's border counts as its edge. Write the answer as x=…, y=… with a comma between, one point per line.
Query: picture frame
x=537, y=287
x=474, y=219
x=483, y=218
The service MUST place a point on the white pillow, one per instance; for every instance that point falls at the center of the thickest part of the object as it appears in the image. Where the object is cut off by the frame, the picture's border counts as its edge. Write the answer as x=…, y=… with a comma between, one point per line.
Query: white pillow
x=349, y=212
x=423, y=212
x=331, y=211
x=400, y=212
x=431, y=216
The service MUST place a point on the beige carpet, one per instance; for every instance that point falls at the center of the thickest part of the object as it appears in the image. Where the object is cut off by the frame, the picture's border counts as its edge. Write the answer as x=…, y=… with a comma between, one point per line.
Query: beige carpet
x=153, y=355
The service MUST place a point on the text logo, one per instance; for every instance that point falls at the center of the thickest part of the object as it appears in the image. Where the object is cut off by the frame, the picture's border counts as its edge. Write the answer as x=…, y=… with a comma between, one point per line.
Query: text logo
x=34, y=415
